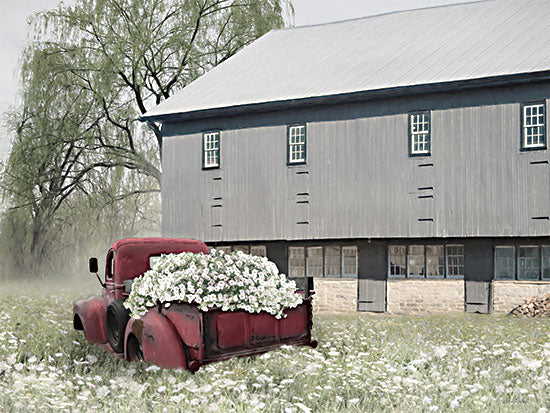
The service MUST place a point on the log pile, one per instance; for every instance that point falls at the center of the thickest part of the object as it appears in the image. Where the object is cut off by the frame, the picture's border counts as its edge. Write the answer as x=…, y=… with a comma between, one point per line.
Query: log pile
x=533, y=307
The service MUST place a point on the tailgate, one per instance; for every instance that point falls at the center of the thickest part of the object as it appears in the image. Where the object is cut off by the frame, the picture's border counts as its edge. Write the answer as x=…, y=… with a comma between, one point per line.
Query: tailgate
x=239, y=331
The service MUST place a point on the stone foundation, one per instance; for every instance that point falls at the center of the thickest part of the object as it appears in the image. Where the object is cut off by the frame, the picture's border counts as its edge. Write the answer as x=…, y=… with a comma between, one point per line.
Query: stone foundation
x=425, y=296
x=508, y=294
x=422, y=296
x=335, y=295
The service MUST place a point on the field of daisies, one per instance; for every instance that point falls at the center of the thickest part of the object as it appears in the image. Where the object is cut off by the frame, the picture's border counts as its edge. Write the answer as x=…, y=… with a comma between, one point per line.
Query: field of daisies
x=363, y=363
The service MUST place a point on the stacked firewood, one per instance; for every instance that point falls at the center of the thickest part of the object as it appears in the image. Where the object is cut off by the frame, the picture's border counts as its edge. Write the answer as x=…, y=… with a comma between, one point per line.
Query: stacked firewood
x=533, y=307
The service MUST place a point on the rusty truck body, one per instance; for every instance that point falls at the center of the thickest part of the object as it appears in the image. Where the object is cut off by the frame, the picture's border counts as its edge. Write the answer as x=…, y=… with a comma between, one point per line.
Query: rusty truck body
x=178, y=335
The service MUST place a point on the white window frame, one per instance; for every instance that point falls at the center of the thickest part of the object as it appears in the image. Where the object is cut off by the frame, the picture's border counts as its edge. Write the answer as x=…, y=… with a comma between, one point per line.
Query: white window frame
x=535, y=123
x=420, y=124
x=350, y=248
x=297, y=155
x=211, y=150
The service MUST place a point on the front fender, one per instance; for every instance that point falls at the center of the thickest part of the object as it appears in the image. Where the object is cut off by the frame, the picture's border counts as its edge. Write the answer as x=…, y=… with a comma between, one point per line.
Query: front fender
x=91, y=314
x=159, y=340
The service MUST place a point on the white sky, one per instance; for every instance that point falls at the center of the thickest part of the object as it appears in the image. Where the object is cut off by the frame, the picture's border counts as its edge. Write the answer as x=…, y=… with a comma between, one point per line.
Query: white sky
x=15, y=13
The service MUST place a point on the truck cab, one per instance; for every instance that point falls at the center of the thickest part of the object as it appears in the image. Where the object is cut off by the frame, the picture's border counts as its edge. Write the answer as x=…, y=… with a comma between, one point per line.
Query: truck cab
x=104, y=318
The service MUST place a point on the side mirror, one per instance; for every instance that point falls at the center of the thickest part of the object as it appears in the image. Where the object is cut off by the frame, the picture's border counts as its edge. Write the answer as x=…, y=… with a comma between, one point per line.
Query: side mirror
x=93, y=265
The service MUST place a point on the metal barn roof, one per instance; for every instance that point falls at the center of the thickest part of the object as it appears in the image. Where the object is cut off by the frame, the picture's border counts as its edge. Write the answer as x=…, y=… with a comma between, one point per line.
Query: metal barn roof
x=401, y=49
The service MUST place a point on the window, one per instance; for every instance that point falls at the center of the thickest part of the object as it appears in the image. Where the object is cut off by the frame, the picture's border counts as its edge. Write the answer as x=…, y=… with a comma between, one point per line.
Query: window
x=258, y=250
x=211, y=150
x=455, y=261
x=328, y=262
x=426, y=261
x=534, y=126
x=333, y=262
x=528, y=263
x=435, y=261
x=349, y=261
x=296, y=262
x=296, y=144
x=243, y=248
x=505, y=258
x=398, y=261
x=110, y=265
x=415, y=261
x=546, y=263
x=420, y=133
x=314, y=262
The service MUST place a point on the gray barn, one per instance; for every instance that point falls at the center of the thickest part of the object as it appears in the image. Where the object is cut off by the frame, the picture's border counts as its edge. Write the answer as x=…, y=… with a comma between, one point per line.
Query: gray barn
x=401, y=159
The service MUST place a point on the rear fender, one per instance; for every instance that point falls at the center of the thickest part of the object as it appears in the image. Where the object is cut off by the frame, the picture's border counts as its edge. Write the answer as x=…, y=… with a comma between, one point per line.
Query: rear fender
x=91, y=315
x=159, y=340
x=187, y=321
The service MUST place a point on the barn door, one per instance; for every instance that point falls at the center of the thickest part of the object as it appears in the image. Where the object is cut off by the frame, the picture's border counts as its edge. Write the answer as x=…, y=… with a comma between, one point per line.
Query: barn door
x=478, y=295
x=371, y=295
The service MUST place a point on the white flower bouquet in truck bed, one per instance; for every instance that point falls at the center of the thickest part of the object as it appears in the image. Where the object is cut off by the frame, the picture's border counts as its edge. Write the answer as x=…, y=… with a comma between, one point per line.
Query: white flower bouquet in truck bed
x=234, y=281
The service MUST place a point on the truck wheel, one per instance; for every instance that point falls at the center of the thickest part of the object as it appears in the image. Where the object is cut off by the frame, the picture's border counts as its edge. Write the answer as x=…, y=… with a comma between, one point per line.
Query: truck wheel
x=116, y=318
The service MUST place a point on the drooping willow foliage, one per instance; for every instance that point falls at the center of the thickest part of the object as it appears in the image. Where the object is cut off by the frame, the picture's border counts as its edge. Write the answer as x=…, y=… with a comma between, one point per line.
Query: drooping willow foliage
x=80, y=158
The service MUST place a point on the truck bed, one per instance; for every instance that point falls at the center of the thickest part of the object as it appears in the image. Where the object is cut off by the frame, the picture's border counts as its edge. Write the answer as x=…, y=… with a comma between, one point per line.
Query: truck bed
x=217, y=335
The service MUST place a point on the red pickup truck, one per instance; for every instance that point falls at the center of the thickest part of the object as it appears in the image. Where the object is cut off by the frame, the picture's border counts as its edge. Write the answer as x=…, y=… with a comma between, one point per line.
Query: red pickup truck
x=179, y=335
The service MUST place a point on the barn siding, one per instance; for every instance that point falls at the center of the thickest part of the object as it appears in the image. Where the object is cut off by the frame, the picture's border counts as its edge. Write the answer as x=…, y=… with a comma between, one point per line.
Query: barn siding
x=360, y=181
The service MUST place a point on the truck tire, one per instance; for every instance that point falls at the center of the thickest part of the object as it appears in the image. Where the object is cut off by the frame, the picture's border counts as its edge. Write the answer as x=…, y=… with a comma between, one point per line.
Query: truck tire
x=116, y=318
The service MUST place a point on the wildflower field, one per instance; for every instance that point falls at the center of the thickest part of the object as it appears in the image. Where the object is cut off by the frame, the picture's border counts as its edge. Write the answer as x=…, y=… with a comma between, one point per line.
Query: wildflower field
x=363, y=363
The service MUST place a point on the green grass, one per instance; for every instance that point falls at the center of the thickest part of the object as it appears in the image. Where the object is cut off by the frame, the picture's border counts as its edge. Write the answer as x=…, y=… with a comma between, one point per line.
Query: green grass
x=363, y=363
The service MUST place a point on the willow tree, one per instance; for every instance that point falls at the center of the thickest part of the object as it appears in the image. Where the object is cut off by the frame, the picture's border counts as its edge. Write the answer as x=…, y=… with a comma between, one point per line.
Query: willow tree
x=92, y=69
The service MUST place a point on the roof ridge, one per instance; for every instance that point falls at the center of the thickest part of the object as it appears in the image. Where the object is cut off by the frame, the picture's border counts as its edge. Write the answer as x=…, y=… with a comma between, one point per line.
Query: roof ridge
x=460, y=3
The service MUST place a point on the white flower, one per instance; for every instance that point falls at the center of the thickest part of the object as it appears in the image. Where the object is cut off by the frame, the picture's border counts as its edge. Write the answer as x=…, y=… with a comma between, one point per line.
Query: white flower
x=456, y=402
x=441, y=351
x=91, y=359
x=532, y=364
x=303, y=407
